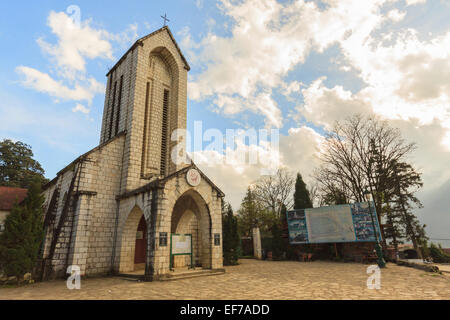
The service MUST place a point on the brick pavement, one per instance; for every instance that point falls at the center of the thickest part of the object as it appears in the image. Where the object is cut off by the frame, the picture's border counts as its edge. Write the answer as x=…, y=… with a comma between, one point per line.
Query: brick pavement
x=254, y=279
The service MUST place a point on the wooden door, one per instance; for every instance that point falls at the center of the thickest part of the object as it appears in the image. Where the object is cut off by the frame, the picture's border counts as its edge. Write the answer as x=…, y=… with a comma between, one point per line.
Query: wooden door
x=141, y=242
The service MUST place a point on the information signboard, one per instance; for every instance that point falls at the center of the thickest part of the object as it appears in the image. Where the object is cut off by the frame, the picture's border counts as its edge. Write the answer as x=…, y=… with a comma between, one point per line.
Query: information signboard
x=340, y=223
x=180, y=245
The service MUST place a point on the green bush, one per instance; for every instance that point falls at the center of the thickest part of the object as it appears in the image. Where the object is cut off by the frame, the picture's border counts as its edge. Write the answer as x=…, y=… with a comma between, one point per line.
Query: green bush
x=438, y=255
x=20, y=242
x=278, y=247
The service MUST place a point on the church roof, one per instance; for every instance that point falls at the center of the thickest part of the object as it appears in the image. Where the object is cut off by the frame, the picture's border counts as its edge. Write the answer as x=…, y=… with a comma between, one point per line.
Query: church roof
x=9, y=196
x=161, y=182
x=141, y=40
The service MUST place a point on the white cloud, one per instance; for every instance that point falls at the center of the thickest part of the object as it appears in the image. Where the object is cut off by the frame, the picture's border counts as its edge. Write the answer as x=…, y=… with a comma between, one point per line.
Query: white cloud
x=396, y=15
x=414, y=2
x=262, y=103
x=76, y=43
x=324, y=106
x=42, y=82
x=127, y=37
x=297, y=151
x=268, y=40
x=81, y=108
x=406, y=79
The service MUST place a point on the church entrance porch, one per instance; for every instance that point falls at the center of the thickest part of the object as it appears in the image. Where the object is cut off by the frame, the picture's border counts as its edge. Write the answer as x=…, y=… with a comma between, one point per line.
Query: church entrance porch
x=190, y=234
x=173, y=209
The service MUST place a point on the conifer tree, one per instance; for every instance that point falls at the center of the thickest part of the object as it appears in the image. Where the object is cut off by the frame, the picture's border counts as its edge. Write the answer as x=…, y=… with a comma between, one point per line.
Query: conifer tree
x=23, y=234
x=302, y=200
x=406, y=181
x=231, y=239
x=249, y=213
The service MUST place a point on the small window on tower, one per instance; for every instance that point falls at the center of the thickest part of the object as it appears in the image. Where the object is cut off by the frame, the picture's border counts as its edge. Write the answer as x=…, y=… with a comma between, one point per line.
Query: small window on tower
x=165, y=125
x=217, y=239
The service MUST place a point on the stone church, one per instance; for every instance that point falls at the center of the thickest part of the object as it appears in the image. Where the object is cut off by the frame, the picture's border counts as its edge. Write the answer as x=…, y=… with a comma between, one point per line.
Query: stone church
x=115, y=209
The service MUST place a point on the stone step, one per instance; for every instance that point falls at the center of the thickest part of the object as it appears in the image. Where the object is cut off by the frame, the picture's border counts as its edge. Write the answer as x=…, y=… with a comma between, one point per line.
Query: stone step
x=176, y=276
x=131, y=277
x=192, y=274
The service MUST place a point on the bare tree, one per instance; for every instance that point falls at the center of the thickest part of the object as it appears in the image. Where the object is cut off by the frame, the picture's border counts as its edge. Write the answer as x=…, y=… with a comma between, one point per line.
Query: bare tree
x=360, y=154
x=275, y=191
x=355, y=154
x=314, y=194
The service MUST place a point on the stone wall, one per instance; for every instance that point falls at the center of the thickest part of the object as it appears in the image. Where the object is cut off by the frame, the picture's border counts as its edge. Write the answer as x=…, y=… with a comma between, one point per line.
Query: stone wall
x=86, y=238
x=97, y=215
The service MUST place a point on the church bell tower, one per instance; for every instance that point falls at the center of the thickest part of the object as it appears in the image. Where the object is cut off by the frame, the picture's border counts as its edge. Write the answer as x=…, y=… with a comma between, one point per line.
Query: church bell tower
x=145, y=100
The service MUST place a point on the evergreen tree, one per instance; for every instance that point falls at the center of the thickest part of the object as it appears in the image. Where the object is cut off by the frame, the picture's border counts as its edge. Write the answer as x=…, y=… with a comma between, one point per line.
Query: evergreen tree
x=405, y=181
x=392, y=229
x=248, y=213
x=302, y=200
x=17, y=166
x=231, y=239
x=23, y=234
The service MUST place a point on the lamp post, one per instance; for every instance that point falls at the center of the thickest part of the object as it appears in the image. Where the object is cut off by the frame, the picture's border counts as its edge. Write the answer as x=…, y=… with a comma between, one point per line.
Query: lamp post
x=381, y=262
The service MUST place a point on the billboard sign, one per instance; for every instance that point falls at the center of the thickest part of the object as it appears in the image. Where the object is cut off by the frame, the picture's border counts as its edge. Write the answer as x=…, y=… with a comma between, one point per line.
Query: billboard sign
x=340, y=223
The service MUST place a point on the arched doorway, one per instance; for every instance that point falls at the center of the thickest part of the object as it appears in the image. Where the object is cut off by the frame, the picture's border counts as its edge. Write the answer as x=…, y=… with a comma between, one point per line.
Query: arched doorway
x=190, y=215
x=134, y=243
x=140, y=247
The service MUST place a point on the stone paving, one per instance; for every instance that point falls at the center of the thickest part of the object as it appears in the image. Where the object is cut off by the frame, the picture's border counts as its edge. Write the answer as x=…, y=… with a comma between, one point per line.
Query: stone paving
x=254, y=279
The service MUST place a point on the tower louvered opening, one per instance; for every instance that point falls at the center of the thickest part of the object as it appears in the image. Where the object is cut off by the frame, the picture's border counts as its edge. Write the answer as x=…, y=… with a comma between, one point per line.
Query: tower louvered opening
x=165, y=124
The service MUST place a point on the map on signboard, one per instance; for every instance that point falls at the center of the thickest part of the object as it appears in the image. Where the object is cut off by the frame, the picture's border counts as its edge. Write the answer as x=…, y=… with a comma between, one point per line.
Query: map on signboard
x=339, y=223
x=330, y=224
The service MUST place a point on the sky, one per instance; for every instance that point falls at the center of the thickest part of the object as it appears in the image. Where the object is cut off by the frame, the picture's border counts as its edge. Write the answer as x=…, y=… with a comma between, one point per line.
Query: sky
x=297, y=66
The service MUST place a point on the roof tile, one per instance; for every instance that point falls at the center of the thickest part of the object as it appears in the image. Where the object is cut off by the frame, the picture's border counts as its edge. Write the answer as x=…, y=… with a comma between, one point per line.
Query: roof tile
x=9, y=196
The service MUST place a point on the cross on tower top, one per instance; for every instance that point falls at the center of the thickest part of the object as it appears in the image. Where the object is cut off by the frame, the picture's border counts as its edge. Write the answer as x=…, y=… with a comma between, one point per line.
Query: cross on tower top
x=165, y=19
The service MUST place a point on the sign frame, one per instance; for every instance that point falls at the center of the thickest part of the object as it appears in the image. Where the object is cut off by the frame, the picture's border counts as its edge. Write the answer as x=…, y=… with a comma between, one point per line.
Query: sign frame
x=304, y=231
x=172, y=255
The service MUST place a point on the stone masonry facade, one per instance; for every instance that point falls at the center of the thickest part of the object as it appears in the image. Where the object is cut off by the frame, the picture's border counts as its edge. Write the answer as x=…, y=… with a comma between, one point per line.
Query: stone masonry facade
x=94, y=205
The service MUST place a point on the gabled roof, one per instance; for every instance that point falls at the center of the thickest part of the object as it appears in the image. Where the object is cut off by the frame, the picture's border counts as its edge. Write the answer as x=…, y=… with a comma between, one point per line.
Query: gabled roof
x=140, y=42
x=159, y=183
x=9, y=196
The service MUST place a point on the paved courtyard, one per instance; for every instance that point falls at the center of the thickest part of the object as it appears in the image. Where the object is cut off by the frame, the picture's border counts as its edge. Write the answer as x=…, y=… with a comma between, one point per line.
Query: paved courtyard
x=254, y=279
